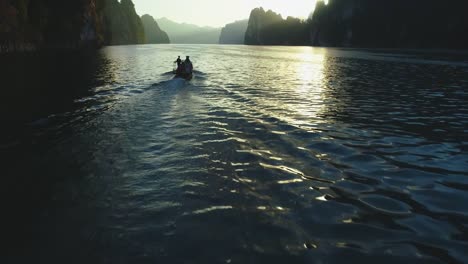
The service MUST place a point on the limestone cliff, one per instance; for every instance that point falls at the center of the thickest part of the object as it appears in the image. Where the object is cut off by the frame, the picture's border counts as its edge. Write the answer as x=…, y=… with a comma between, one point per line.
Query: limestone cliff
x=390, y=24
x=121, y=25
x=153, y=32
x=260, y=20
x=234, y=33
x=269, y=28
x=28, y=25
x=35, y=24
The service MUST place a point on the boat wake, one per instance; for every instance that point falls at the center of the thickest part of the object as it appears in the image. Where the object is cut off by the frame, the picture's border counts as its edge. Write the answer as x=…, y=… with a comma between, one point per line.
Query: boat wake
x=172, y=84
x=176, y=83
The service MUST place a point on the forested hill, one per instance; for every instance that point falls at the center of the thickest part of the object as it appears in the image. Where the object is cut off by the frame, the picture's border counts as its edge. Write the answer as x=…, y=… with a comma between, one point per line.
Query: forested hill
x=367, y=23
x=269, y=28
x=60, y=24
x=391, y=24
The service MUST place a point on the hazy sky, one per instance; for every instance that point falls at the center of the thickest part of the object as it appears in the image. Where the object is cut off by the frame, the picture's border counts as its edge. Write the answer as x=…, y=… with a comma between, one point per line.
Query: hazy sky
x=219, y=12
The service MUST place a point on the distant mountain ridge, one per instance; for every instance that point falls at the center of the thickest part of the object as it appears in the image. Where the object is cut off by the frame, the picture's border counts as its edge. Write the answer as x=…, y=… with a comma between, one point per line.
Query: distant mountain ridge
x=234, y=33
x=183, y=33
x=154, y=34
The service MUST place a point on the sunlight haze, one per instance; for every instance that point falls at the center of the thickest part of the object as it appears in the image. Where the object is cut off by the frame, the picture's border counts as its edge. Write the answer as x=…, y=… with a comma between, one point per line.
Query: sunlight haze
x=217, y=13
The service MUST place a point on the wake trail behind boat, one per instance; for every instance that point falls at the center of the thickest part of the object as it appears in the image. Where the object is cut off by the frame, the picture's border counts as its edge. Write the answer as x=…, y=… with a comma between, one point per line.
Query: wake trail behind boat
x=173, y=84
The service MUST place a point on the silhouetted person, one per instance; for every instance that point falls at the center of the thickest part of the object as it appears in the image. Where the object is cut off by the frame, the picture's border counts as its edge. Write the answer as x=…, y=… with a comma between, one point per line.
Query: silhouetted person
x=188, y=65
x=179, y=63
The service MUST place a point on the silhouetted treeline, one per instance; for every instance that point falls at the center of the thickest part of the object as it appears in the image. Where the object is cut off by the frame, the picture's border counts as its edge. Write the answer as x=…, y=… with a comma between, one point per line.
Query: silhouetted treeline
x=269, y=28
x=391, y=24
x=39, y=24
x=367, y=23
x=154, y=34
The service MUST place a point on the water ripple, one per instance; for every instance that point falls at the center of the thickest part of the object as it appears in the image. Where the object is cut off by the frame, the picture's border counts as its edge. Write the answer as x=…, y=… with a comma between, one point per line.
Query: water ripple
x=294, y=154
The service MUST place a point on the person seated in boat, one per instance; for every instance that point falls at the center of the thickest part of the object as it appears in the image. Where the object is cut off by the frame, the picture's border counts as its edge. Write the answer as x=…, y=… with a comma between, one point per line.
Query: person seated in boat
x=188, y=65
x=181, y=69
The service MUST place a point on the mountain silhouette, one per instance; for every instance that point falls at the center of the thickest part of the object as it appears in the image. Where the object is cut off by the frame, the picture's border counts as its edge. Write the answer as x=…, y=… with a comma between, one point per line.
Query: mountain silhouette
x=234, y=33
x=184, y=33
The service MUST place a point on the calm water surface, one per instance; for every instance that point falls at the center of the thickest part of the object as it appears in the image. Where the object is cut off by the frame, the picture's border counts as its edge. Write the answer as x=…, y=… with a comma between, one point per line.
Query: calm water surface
x=270, y=155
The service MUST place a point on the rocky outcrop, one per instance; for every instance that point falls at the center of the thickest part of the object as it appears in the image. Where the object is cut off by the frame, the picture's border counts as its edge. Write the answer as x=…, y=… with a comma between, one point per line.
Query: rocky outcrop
x=121, y=25
x=234, y=33
x=390, y=24
x=154, y=34
x=367, y=23
x=259, y=22
x=332, y=27
x=269, y=28
x=35, y=24
x=28, y=25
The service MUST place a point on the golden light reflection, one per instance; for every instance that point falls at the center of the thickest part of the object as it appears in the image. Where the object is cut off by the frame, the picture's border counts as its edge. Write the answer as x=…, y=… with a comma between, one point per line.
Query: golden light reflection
x=272, y=208
x=290, y=181
x=305, y=83
x=278, y=132
x=310, y=246
x=341, y=244
x=296, y=172
x=276, y=158
x=321, y=198
x=293, y=82
x=245, y=180
x=319, y=188
x=311, y=75
x=213, y=208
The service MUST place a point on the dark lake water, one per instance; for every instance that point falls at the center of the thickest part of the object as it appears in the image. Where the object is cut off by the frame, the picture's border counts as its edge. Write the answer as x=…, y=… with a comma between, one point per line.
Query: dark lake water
x=269, y=155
